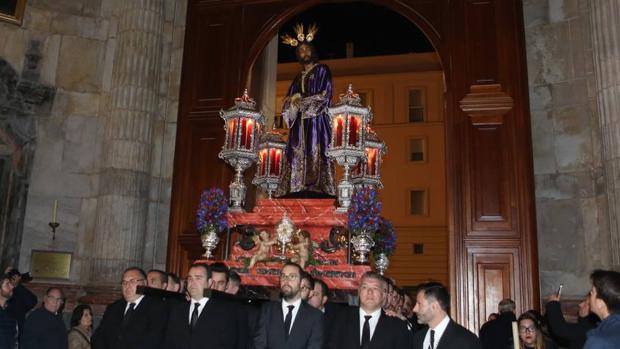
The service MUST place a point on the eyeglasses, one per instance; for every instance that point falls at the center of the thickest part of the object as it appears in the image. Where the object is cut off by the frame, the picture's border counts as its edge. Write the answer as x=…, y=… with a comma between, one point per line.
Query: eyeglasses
x=530, y=329
x=56, y=300
x=291, y=277
x=305, y=288
x=131, y=282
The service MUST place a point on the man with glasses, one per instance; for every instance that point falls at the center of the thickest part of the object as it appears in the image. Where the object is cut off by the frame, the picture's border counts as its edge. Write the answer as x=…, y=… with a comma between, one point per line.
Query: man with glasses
x=290, y=323
x=205, y=322
x=134, y=322
x=432, y=307
x=307, y=286
x=44, y=327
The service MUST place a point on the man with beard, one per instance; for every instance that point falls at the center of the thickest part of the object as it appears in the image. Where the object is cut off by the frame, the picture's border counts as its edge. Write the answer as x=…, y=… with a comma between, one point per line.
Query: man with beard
x=8, y=323
x=432, y=307
x=290, y=323
x=308, y=171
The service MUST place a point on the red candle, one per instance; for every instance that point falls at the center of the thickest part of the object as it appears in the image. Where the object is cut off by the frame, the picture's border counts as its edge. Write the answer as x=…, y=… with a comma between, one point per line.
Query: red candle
x=339, y=126
x=263, y=161
x=278, y=158
x=272, y=164
x=243, y=132
x=232, y=133
x=248, y=133
x=353, y=125
x=372, y=162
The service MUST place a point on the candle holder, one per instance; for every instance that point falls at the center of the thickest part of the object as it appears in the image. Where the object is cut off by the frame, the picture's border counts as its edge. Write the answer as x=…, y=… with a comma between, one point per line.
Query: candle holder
x=54, y=225
x=349, y=119
x=242, y=124
x=367, y=173
x=270, y=162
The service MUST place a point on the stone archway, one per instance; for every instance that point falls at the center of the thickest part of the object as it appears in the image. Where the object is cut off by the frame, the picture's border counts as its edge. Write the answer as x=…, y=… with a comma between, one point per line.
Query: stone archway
x=490, y=183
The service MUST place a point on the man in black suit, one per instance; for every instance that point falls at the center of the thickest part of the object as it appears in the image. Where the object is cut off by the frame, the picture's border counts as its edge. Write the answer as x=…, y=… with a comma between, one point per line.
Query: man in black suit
x=202, y=322
x=133, y=322
x=433, y=302
x=290, y=323
x=498, y=333
x=367, y=326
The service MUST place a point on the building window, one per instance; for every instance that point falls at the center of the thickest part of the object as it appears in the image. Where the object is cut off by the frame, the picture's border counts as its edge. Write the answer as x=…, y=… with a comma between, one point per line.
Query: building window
x=417, y=150
x=417, y=202
x=416, y=105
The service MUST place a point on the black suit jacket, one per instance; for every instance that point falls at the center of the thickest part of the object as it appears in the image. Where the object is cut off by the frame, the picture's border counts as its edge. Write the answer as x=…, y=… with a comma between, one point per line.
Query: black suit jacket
x=497, y=334
x=145, y=330
x=390, y=332
x=219, y=326
x=455, y=337
x=306, y=331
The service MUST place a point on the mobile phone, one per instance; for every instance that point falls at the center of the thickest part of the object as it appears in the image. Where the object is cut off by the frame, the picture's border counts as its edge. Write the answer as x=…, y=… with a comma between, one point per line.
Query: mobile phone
x=560, y=290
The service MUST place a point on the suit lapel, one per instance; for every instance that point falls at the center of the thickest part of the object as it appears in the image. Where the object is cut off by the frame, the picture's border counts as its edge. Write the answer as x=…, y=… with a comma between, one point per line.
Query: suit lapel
x=298, y=323
x=445, y=337
x=380, y=332
x=354, y=325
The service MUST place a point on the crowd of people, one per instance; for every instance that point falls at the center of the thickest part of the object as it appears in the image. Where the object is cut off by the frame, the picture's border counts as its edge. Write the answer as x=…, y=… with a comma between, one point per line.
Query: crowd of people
x=205, y=310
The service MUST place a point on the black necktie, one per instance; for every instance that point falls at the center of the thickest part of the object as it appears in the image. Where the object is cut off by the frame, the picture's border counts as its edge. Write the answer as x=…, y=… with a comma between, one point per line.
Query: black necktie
x=432, y=339
x=287, y=321
x=366, y=332
x=128, y=314
x=194, y=319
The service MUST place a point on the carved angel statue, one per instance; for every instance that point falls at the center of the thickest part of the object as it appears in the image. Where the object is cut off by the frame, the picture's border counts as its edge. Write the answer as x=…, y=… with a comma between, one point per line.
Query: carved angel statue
x=264, y=242
x=302, y=249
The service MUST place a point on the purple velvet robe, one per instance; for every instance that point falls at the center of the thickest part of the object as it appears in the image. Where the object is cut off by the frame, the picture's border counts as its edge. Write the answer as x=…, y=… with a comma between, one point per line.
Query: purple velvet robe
x=307, y=166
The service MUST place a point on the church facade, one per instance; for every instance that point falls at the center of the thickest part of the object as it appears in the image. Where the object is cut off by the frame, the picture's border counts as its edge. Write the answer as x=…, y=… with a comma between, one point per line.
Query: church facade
x=93, y=102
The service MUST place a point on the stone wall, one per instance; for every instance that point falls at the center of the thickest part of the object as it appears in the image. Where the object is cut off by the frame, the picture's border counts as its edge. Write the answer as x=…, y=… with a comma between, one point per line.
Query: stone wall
x=78, y=44
x=571, y=202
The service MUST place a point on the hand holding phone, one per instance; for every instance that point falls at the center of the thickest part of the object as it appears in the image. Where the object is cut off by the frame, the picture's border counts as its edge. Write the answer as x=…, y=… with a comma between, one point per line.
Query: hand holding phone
x=560, y=291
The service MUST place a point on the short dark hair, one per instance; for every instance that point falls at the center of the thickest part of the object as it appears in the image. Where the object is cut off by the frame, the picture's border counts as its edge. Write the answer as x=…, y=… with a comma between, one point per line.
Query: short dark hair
x=202, y=265
x=607, y=285
x=324, y=287
x=78, y=312
x=219, y=267
x=305, y=275
x=163, y=276
x=293, y=264
x=234, y=277
x=438, y=292
x=314, y=57
x=175, y=278
x=138, y=269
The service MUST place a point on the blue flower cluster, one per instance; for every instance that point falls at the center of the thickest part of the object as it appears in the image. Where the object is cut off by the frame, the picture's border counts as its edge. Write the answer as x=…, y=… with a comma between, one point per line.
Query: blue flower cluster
x=385, y=237
x=212, y=211
x=365, y=210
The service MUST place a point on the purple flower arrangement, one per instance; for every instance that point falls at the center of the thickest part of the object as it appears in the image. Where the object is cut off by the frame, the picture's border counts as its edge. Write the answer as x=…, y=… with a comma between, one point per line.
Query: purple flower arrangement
x=385, y=238
x=364, y=212
x=211, y=213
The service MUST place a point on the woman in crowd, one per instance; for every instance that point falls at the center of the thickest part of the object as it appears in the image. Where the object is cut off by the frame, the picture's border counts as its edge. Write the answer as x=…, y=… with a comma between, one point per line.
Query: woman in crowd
x=530, y=333
x=81, y=326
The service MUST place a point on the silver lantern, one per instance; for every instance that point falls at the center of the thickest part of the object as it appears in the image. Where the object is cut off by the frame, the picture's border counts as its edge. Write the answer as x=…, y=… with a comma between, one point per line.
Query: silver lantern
x=242, y=124
x=284, y=234
x=367, y=173
x=349, y=119
x=382, y=262
x=362, y=244
x=209, y=242
x=270, y=162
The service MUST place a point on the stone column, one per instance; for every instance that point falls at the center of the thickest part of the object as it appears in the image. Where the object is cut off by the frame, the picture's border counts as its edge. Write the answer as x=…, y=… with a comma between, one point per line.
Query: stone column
x=606, y=44
x=124, y=179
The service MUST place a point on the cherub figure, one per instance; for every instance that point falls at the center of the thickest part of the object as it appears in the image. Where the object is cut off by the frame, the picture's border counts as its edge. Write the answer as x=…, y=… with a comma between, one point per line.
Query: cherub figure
x=301, y=248
x=264, y=243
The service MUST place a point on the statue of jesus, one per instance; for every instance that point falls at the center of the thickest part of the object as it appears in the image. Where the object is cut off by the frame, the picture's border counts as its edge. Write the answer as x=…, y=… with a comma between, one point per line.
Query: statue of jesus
x=308, y=171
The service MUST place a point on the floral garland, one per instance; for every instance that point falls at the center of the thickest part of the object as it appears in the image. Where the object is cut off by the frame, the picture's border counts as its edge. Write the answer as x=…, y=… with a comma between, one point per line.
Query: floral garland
x=385, y=238
x=211, y=213
x=364, y=211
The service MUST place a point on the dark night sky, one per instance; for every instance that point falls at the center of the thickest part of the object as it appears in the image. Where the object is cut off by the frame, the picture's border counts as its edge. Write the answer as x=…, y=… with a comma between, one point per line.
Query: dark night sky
x=374, y=30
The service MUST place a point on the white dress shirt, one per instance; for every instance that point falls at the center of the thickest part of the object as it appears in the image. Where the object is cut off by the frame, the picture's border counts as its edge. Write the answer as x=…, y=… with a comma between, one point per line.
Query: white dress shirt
x=439, y=330
x=202, y=303
x=136, y=302
x=372, y=323
x=285, y=305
